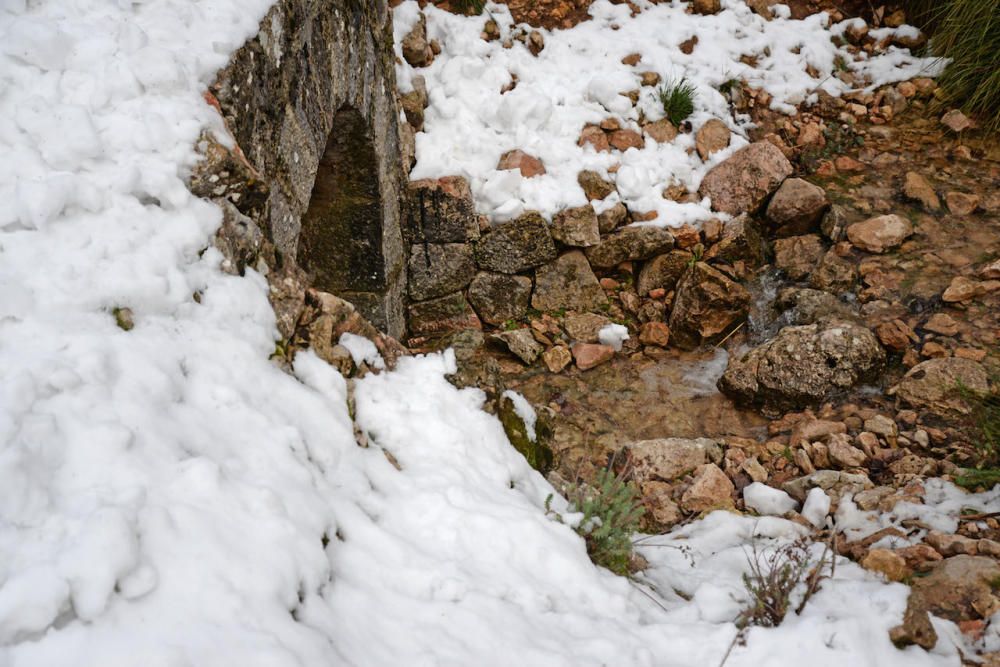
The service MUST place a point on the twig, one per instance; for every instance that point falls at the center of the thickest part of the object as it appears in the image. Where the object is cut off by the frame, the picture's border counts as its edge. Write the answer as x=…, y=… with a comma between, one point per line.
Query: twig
x=730, y=335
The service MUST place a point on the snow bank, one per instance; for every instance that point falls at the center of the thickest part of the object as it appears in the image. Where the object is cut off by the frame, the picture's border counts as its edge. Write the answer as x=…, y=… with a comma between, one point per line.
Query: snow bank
x=578, y=78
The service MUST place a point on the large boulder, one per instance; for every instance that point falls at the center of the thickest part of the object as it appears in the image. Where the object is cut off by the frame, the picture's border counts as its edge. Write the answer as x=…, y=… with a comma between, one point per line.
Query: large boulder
x=498, y=297
x=804, y=365
x=436, y=269
x=796, y=208
x=568, y=283
x=630, y=243
x=743, y=182
x=938, y=385
x=706, y=306
x=516, y=245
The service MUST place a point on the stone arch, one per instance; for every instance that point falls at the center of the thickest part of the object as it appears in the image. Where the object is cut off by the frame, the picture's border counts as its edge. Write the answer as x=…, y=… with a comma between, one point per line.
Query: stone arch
x=340, y=244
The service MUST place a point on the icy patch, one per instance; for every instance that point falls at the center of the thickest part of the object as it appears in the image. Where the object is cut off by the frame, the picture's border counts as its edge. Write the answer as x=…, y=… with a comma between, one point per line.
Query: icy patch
x=614, y=335
x=523, y=410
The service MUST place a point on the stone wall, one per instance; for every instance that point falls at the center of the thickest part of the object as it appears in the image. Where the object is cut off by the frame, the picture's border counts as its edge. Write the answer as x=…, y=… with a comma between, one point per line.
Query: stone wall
x=311, y=101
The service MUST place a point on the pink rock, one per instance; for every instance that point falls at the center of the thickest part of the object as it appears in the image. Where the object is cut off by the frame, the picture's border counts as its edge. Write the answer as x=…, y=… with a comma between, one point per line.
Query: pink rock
x=529, y=165
x=591, y=355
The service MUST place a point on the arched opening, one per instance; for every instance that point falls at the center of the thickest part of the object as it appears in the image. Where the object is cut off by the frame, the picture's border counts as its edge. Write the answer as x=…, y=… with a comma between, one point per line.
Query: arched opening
x=341, y=240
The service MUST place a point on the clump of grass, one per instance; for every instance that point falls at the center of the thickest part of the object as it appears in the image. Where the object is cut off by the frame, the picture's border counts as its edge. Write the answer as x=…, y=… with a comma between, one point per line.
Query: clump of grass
x=774, y=579
x=968, y=33
x=468, y=6
x=677, y=98
x=985, y=431
x=611, y=515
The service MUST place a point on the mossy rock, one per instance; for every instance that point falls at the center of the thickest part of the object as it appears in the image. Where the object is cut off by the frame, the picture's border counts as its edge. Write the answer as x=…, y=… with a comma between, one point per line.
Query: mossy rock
x=538, y=452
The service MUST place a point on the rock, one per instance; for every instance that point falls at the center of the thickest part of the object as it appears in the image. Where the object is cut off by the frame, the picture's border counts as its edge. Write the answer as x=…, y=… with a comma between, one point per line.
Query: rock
x=961, y=203
x=414, y=103
x=532, y=442
x=576, y=227
x=239, y=239
x=919, y=557
x=557, y=358
x=843, y=454
x=767, y=501
x=957, y=589
x=961, y=289
x=952, y=545
x=443, y=315
x=796, y=208
x=744, y=181
x=654, y=333
x=711, y=138
x=883, y=426
x=595, y=136
x=834, y=223
x=834, y=274
x=660, y=506
x=666, y=459
x=499, y=297
x=590, y=355
x=932, y=385
x=880, y=234
x=594, y=185
x=416, y=50
x=956, y=121
x=706, y=306
x=436, y=269
x=887, y=563
x=896, y=335
x=568, y=283
x=536, y=42
x=442, y=211
x=528, y=165
x=815, y=430
x=706, y=6
x=804, y=365
x=661, y=131
x=512, y=247
x=626, y=139
x=521, y=343
x=628, y=244
x=802, y=305
x=584, y=327
x=836, y=484
x=741, y=242
x=710, y=490
x=918, y=189
x=797, y=256
x=613, y=218
x=663, y=271
x=632, y=59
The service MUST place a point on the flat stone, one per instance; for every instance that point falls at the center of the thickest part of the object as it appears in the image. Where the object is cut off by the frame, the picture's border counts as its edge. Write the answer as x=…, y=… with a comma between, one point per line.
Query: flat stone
x=591, y=355
x=443, y=315
x=512, y=247
x=710, y=490
x=880, y=234
x=629, y=244
x=568, y=283
x=499, y=297
x=521, y=343
x=661, y=131
x=711, y=138
x=743, y=182
x=796, y=208
x=666, y=459
x=436, y=269
x=576, y=227
x=442, y=211
x=956, y=121
x=941, y=323
x=584, y=327
x=626, y=139
x=961, y=203
x=917, y=188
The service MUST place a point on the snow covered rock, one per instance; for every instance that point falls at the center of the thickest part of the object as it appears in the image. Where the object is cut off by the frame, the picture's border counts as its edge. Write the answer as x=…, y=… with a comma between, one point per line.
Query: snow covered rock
x=767, y=501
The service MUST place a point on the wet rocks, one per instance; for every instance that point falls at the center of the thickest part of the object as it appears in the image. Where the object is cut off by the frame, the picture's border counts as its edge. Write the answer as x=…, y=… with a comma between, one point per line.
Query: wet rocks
x=591, y=355
x=797, y=256
x=666, y=459
x=706, y=307
x=512, y=247
x=741, y=241
x=917, y=188
x=880, y=234
x=630, y=243
x=744, y=181
x=710, y=490
x=796, y=208
x=568, y=283
x=576, y=227
x=498, y=297
x=933, y=385
x=804, y=365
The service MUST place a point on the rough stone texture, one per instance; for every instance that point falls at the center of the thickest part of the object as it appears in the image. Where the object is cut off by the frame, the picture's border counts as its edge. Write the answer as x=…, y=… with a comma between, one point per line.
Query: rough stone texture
x=498, y=297
x=528, y=165
x=809, y=305
x=796, y=208
x=442, y=211
x=594, y=185
x=308, y=100
x=626, y=139
x=591, y=355
x=576, y=227
x=655, y=333
x=444, y=315
x=880, y=234
x=568, y=283
x=239, y=239
x=804, y=365
x=663, y=271
x=797, y=256
x=711, y=138
x=744, y=181
x=961, y=203
x=536, y=450
x=416, y=49
x=584, y=327
x=917, y=188
x=666, y=459
x=436, y=269
x=834, y=223
x=933, y=385
x=706, y=307
x=836, y=484
x=957, y=589
x=706, y=6
x=521, y=343
x=741, y=241
x=516, y=245
x=613, y=218
x=711, y=489
x=557, y=358
x=834, y=274
x=887, y=563
x=630, y=243
x=661, y=131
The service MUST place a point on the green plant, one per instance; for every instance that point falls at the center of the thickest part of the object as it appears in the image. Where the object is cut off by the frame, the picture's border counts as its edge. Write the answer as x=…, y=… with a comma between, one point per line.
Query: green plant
x=984, y=429
x=677, y=98
x=468, y=6
x=611, y=514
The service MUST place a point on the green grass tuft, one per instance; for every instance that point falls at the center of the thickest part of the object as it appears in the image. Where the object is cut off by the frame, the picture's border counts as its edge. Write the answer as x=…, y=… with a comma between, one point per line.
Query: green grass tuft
x=474, y=7
x=985, y=431
x=677, y=98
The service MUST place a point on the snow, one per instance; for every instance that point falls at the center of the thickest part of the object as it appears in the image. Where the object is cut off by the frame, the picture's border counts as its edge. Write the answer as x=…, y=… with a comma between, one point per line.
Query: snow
x=523, y=409
x=614, y=335
x=170, y=497
x=578, y=79
x=767, y=500
x=816, y=507
x=362, y=350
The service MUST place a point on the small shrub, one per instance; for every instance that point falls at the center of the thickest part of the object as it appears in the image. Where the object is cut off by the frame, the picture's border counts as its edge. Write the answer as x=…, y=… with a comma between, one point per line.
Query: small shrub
x=776, y=578
x=677, y=98
x=611, y=514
